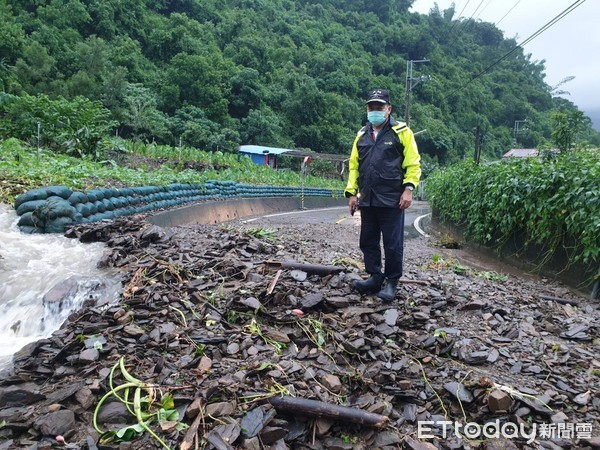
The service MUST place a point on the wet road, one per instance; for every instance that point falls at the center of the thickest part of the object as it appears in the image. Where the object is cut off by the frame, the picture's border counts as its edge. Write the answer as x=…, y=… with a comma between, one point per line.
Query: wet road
x=339, y=215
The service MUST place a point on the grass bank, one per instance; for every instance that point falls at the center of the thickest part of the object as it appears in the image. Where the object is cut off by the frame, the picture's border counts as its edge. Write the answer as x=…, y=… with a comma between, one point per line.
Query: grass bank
x=124, y=163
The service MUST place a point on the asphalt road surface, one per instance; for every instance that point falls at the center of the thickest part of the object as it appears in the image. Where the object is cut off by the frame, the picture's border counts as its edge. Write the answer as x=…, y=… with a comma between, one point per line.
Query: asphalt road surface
x=339, y=215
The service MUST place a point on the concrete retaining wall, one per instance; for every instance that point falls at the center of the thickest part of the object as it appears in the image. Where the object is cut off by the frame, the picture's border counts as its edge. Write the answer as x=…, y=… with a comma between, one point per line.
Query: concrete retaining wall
x=578, y=277
x=225, y=210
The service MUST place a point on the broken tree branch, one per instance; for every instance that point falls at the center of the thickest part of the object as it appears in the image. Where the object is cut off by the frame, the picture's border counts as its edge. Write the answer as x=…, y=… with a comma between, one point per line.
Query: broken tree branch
x=562, y=301
x=273, y=283
x=311, y=269
x=321, y=270
x=322, y=409
x=409, y=281
x=192, y=432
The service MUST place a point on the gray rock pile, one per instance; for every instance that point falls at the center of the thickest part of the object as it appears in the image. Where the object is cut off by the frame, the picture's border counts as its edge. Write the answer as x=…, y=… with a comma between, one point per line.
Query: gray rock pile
x=232, y=338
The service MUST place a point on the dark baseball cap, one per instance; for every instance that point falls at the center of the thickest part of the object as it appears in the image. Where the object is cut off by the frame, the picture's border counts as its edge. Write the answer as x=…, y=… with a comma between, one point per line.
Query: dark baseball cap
x=378, y=95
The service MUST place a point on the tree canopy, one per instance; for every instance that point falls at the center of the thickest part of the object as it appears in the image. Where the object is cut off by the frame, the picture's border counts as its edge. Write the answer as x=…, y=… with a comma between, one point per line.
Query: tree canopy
x=215, y=75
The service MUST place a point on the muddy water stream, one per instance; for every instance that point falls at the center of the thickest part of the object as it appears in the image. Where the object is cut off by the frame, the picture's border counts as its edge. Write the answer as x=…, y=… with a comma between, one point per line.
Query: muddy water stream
x=30, y=266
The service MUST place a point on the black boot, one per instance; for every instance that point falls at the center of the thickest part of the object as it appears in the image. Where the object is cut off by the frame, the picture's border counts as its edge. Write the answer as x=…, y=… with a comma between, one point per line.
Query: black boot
x=370, y=285
x=388, y=293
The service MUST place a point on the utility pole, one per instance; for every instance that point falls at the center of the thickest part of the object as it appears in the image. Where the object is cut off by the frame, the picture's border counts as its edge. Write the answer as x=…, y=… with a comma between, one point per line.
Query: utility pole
x=477, y=144
x=39, y=128
x=516, y=131
x=411, y=83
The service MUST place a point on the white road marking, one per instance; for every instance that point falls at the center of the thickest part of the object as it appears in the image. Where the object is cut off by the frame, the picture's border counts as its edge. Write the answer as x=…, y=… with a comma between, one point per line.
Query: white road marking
x=417, y=226
x=294, y=212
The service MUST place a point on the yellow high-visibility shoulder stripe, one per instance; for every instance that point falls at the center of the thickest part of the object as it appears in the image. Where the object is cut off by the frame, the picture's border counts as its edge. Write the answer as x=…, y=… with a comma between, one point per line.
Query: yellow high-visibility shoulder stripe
x=412, y=160
x=352, y=186
x=399, y=127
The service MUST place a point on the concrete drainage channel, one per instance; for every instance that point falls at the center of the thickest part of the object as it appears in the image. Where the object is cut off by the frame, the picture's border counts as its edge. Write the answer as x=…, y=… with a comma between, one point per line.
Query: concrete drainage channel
x=226, y=210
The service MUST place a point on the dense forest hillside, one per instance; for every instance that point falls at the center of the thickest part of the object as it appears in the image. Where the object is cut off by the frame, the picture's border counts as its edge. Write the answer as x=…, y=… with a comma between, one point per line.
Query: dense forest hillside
x=216, y=74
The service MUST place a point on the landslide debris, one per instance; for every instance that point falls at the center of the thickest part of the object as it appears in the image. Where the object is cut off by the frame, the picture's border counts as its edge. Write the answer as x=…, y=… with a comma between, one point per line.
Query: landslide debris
x=206, y=333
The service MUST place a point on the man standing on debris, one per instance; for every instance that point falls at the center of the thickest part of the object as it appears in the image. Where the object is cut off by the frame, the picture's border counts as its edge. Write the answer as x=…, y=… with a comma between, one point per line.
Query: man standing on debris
x=385, y=168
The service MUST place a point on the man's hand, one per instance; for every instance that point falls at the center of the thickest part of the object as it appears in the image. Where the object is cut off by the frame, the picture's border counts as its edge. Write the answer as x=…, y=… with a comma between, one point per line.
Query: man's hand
x=352, y=204
x=406, y=199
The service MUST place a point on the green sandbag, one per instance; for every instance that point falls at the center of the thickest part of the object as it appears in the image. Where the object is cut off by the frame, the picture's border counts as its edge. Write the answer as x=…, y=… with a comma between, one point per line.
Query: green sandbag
x=60, y=191
x=108, y=204
x=134, y=200
x=82, y=209
x=30, y=206
x=100, y=206
x=54, y=208
x=92, y=207
x=58, y=225
x=34, y=194
x=78, y=197
x=27, y=220
x=60, y=207
x=30, y=230
x=96, y=194
x=109, y=192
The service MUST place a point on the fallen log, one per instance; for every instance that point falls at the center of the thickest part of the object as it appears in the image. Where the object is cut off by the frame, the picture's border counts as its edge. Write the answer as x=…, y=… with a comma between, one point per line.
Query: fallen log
x=318, y=408
x=562, y=301
x=311, y=269
x=409, y=281
x=322, y=270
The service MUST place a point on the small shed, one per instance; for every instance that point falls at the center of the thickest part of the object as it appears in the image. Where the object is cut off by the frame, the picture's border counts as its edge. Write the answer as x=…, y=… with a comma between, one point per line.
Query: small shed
x=267, y=156
x=262, y=155
x=521, y=153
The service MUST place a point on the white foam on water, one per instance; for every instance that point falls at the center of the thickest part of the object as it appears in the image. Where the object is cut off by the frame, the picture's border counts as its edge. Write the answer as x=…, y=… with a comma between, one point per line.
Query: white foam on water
x=30, y=265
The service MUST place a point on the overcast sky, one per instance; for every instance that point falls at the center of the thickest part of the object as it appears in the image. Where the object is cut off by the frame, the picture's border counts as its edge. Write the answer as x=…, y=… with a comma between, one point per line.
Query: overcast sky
x=570, y=47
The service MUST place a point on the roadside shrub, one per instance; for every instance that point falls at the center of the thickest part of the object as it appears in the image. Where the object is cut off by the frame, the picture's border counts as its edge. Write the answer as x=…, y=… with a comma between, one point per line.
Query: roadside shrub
x=554, y=202
x=74, y=127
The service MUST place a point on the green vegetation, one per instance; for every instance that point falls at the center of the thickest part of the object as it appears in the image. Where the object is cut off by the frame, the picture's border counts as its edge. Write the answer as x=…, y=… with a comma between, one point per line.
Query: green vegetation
x=565, y=128
x=73, y=127
x=141, y=401
x=147, y=92
x=267, y=234
x=552, y=203
x=214, y=74
x=23, y=168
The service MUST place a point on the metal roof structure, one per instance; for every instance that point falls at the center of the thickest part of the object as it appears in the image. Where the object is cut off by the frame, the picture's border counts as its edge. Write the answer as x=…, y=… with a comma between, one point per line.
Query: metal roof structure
x=521, y=152
x=263, y=150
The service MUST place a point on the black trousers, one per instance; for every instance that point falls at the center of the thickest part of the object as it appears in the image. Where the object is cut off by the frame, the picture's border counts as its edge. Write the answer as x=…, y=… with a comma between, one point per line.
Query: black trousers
x=389, y=223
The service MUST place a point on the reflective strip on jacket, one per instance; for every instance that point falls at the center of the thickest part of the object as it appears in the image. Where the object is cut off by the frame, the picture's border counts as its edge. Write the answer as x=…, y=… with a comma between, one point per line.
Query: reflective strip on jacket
x=381, y=169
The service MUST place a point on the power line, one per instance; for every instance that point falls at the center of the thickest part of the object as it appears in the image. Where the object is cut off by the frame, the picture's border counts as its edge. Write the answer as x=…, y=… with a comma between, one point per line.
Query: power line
x=458, y=18
x=483, y=9
x=463, y=10
x=469, y=21
x=553, y=21
x=509, y=11
x=478, y=6
x=557, y=18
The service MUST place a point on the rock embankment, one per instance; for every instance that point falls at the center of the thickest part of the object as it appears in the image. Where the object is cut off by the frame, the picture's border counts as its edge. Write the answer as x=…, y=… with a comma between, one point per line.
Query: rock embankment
x=212, y=347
